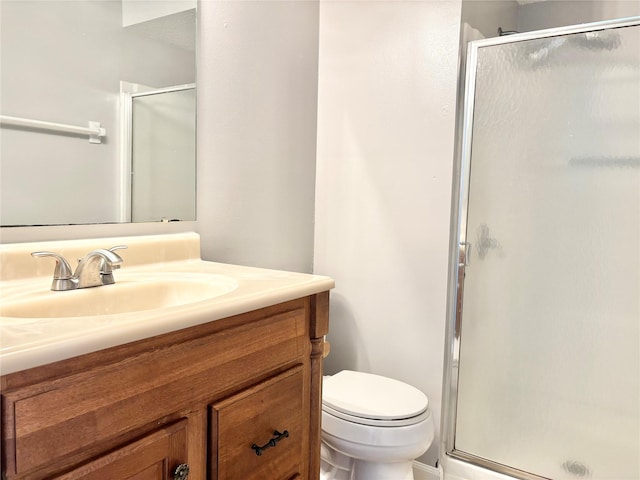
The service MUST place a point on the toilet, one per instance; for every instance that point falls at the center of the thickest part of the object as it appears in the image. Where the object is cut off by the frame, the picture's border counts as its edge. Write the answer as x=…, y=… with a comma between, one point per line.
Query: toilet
x=373, y=427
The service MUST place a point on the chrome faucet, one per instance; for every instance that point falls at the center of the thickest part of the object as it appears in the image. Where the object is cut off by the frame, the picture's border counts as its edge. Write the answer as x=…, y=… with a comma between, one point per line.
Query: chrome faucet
x=94, y=269
x=94, y=264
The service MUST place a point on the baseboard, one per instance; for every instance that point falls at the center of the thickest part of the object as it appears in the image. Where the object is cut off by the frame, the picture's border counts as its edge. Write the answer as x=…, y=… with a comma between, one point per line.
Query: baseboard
x=422, y=471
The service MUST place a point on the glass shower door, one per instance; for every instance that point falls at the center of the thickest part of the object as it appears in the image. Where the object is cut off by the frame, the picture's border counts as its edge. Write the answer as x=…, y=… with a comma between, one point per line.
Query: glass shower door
x=549, y=362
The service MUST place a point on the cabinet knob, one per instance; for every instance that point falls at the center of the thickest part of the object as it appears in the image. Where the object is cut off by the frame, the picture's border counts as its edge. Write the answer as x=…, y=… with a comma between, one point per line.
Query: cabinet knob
x=277, y=436
x=181, y=472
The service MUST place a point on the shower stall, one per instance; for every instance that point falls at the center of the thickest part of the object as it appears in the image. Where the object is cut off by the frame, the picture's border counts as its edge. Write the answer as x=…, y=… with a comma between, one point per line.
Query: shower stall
x=543, y=372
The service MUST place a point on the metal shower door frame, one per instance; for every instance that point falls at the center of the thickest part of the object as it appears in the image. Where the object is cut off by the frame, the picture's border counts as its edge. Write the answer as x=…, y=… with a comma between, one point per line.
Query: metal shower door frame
x=459, y=248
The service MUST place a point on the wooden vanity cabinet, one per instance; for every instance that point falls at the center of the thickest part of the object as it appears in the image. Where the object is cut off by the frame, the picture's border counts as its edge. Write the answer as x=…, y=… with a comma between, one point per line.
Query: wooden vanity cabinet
x=233, y=399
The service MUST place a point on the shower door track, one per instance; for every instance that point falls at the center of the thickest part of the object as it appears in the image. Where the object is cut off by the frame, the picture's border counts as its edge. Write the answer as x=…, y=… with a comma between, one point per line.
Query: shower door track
x=496, y=467
x=459, y=248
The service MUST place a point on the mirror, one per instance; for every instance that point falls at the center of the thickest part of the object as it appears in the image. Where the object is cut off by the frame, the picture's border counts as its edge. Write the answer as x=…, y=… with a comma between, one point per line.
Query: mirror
x=115, y=82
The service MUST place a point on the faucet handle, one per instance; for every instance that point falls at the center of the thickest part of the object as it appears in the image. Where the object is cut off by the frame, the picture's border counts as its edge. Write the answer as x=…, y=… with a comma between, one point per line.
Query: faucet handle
x=62, y=275
x=63, y=270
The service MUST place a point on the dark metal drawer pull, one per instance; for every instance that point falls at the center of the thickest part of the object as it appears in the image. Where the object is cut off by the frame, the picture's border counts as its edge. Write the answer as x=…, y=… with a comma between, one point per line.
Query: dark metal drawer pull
x=277, y=436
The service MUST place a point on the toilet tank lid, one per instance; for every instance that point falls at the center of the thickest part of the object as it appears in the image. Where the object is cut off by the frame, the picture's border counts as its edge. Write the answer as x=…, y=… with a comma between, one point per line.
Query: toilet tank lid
x=366, y=395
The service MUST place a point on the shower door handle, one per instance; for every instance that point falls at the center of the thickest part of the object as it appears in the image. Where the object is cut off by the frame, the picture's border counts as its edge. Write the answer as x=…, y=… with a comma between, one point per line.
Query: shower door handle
x=464, y=249
x=464, y=254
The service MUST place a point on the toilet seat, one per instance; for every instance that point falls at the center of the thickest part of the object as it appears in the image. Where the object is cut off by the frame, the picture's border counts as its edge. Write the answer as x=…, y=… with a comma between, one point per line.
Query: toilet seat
x=398, y=422
x=373, y=400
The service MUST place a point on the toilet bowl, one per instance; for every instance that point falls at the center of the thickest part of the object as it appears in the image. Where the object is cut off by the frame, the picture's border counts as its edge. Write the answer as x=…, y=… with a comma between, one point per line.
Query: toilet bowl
x=373, y=427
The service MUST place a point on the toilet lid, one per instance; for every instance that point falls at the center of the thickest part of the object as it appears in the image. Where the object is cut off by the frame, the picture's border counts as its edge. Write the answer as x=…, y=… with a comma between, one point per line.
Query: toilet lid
x=369, y=396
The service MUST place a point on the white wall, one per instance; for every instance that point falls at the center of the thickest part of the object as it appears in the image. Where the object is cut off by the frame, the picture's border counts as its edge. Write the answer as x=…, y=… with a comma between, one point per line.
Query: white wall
x=487, y=15
x=257, y=88
x=387, y=92
x=558, y=13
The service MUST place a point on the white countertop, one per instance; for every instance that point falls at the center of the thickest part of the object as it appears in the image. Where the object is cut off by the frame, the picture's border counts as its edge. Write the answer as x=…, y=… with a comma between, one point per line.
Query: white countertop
x=30, y=342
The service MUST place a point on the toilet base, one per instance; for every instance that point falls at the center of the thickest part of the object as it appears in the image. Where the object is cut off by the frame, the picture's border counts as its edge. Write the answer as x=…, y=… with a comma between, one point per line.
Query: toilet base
x=363, y=470
x=335, y=465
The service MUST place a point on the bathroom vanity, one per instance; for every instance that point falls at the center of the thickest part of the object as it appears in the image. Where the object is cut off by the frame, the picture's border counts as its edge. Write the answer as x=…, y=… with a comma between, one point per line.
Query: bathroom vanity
x=221, y=388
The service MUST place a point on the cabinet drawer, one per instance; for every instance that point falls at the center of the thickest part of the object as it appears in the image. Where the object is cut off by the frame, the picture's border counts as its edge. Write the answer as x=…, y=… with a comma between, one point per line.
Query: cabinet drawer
x=154, y=457
x=243, y=425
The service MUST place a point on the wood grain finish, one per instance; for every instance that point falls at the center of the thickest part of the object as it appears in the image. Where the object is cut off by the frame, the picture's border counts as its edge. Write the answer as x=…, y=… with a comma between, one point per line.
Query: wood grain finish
x=319, y=322
x=70, y=413
x=154, y=457
x=252, y=417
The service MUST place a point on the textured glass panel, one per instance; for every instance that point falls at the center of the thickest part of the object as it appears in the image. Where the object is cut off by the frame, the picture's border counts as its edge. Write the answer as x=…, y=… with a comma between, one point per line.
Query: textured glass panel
x=549, y=362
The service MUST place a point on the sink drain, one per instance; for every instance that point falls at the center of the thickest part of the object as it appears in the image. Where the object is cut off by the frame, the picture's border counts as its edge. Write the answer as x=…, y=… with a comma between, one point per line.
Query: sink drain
x=577, y=469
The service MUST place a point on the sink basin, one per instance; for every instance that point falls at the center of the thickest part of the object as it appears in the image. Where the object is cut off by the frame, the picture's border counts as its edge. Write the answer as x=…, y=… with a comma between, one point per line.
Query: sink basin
x=130, y=293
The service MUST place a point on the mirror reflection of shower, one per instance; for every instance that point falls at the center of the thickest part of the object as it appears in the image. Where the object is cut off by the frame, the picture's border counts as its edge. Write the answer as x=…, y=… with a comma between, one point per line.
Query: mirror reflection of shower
x=159, y=152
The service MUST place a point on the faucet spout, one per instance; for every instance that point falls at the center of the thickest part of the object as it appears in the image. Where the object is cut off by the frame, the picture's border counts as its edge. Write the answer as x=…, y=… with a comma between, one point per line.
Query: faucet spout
x=90, y=269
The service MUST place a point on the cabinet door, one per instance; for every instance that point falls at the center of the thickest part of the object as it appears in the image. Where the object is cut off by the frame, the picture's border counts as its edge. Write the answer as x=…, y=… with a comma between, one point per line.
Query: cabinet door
x=260, y=432
x=154, y=457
